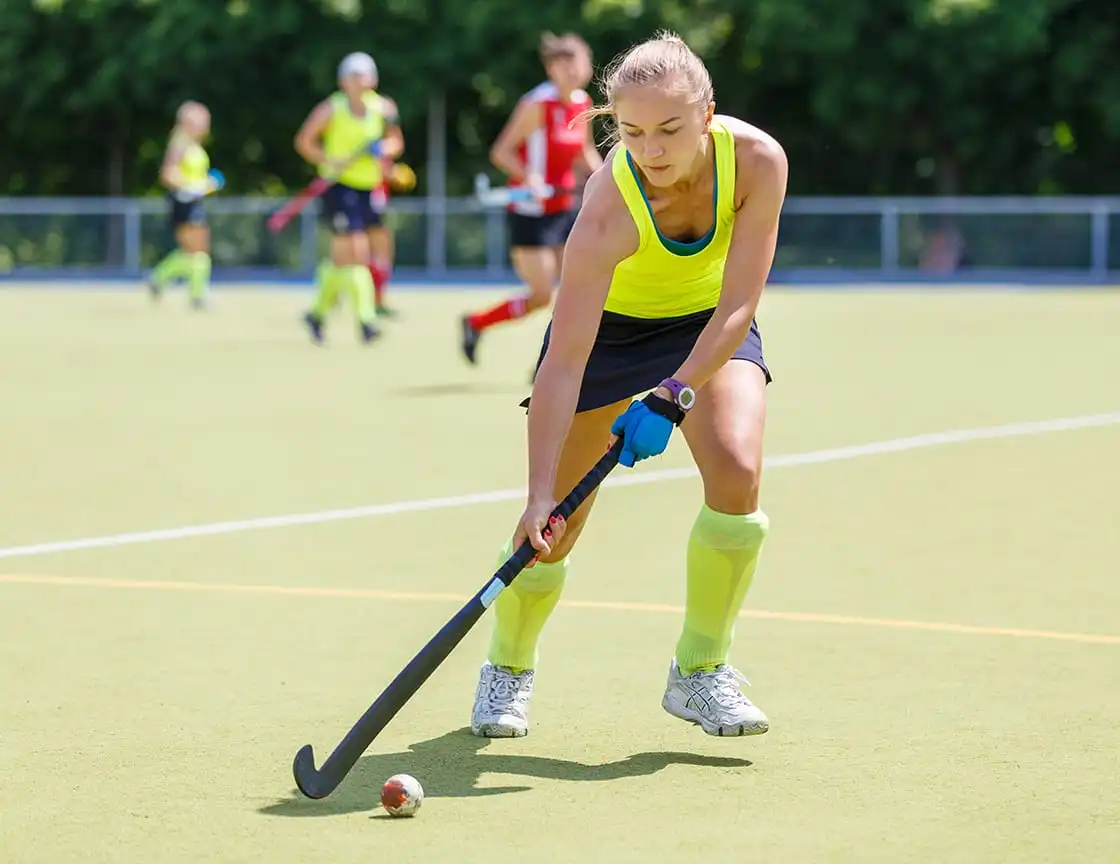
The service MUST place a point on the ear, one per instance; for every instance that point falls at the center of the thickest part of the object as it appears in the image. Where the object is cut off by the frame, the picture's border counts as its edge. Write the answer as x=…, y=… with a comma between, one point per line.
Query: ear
x=709, y=113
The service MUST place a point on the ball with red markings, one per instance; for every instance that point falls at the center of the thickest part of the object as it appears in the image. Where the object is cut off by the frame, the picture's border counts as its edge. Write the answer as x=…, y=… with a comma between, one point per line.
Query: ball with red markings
x=402, y=795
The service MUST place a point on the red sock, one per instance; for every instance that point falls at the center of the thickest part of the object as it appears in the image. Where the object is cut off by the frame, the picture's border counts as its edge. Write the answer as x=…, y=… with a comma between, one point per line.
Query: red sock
x=380, y=279
x=506, y=311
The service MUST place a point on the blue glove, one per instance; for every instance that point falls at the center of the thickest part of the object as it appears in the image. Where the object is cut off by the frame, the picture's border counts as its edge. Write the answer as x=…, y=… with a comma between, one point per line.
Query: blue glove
x=376, y=147
x=645, y=428
x=217, y=179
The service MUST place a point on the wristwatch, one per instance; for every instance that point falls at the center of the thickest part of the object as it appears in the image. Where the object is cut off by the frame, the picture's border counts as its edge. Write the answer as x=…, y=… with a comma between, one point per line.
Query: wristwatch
x=684, y=397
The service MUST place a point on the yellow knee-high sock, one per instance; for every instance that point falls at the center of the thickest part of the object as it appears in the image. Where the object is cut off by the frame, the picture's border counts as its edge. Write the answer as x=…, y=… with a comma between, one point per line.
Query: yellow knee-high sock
x=521, y=610
x=176, y=265
x=326, y=294
x=723, y=552
x=199, y=275
x=355, y=279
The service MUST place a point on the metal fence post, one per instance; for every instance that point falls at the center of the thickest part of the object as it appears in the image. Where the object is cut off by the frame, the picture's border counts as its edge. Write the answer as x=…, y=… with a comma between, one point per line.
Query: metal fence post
x=132, y=237
x=495, y=242
x=888, y=238
x=1099, y=242
x=308, y=239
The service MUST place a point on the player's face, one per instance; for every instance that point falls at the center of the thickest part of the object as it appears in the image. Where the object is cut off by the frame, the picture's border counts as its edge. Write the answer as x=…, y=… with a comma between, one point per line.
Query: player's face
x=356, y=85
x=571, y=71
x=196, y=123
x=663, y=130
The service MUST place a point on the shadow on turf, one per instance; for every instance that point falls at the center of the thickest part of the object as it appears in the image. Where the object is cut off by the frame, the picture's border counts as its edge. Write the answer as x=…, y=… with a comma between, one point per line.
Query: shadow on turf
x=451, y=765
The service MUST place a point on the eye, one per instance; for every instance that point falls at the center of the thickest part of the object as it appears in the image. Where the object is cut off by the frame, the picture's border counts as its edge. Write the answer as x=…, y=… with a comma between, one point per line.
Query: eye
x=671, y=131
x=631, y=133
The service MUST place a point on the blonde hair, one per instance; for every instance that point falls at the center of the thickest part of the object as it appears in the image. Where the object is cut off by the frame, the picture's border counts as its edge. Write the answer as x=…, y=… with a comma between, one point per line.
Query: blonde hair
x=664, y=58
x=188, y=109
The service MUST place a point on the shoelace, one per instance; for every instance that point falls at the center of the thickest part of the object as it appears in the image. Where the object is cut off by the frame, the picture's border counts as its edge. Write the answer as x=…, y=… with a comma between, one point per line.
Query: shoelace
x=504, y=689
x=727, y=682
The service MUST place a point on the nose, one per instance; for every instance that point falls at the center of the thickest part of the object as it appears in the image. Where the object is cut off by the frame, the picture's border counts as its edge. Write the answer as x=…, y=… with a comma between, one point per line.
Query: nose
x=652, y=148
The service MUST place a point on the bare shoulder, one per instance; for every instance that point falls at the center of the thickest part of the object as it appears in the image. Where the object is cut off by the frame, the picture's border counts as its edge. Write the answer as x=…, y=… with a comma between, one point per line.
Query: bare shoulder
x=390, y=109
x=322, y=112
x=760, y=161
x=604, y=222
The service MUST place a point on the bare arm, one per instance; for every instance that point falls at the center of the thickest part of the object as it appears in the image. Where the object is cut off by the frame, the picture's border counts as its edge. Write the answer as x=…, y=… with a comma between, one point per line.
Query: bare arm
x=169, y=174
x=601, y=237
x=309, y=137
x=589, y=157
x=526, y=119
x=762, y=163
x=392, y=142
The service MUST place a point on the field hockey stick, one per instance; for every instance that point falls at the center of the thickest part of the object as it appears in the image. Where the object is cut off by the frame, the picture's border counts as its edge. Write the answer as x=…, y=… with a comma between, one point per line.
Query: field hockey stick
x=319, y=783
x=295, y=205
x=500, y=196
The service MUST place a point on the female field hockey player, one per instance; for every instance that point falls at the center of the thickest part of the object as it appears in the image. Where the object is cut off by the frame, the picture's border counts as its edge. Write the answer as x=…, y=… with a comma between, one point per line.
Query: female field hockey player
x=346, y=136
x=188, y=178
x=661, y=279
x=543, y=141
x=395, y=177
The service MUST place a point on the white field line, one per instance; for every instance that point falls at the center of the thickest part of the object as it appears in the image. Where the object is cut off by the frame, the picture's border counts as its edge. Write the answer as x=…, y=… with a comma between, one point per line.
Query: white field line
x=835, y=454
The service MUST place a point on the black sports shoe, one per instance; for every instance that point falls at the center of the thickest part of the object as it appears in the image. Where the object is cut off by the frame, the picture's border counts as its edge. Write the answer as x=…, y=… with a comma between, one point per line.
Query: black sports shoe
x=314, y=326
x=369, y=333
x=470, y=340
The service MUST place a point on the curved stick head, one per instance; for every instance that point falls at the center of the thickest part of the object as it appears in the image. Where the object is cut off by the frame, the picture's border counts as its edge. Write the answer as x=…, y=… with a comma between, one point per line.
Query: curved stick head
x=308, y=779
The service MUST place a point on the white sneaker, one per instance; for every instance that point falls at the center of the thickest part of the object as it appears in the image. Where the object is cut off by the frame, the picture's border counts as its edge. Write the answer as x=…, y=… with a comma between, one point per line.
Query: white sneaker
x=501, y=704
x=714, y=701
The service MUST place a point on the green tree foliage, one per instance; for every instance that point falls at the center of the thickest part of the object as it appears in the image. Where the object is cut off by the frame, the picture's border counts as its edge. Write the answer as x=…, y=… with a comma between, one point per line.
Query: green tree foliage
x=867, y=96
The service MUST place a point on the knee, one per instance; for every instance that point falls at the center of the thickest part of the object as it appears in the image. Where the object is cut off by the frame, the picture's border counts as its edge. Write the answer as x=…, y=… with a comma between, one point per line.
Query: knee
x=732, y=486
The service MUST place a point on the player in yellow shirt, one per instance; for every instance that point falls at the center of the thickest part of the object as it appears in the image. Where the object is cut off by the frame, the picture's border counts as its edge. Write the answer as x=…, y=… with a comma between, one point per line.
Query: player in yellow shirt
x=188, y=178
x=346, y=136
x=661, y=278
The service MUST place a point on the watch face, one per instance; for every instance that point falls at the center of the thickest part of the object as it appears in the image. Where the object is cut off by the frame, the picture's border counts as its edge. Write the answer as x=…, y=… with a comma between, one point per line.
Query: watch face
x=686, y=398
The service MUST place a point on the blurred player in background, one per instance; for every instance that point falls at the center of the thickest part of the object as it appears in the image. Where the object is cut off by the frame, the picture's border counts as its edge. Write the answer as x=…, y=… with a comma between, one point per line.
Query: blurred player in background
x=543, y=142
x=395, y=177
x=346, y=136
x=188, y=178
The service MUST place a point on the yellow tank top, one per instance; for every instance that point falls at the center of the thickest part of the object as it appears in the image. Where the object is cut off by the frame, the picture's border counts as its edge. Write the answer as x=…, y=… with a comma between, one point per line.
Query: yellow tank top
x=665, y=278
x=193, y=164
x=345, y=134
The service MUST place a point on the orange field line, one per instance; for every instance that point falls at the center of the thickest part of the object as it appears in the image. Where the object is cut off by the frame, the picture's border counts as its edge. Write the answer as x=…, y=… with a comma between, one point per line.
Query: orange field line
x=436, y=597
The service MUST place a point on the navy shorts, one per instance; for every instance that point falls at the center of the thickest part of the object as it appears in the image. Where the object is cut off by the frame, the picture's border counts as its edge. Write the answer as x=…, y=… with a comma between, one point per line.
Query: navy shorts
x=633, y=355
x=349, y=211
x=186, y=212
x=551, y=229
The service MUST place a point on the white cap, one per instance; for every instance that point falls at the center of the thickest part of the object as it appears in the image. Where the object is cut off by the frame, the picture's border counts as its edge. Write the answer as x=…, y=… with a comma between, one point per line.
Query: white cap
x=357, y=64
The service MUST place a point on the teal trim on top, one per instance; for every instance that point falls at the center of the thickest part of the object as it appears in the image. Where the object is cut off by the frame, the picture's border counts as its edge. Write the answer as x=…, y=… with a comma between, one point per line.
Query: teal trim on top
x=679, y=247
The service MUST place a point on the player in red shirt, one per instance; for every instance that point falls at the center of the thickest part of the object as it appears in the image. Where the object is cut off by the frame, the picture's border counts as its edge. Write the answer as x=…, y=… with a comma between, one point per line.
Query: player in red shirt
x=542, y=144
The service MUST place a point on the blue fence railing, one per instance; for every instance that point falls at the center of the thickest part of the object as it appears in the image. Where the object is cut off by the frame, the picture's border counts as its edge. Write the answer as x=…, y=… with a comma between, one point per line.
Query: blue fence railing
x=821, y=239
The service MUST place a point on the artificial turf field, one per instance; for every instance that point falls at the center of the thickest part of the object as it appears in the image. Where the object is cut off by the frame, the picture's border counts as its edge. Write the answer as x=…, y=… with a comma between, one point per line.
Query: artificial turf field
x=934, y=631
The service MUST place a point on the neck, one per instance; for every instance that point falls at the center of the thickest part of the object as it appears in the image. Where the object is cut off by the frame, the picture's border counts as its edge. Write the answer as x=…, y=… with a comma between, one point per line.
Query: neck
x=700, y=169
x=565, y=92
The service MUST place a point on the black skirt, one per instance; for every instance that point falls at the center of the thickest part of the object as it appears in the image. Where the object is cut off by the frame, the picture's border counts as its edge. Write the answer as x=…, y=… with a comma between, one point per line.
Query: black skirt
x=633, y=355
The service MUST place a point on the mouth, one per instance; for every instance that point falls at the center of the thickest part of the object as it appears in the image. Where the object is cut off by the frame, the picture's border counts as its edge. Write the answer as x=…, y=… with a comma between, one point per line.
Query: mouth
x=657, y=169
